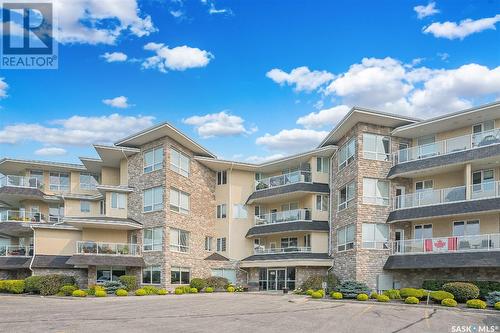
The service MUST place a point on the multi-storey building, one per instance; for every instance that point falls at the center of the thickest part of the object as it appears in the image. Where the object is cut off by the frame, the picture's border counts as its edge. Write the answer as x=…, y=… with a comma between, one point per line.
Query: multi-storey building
x=385, y=199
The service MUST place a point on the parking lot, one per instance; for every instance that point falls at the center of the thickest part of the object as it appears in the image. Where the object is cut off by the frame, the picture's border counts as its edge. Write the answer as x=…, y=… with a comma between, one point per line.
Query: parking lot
x=224, y=312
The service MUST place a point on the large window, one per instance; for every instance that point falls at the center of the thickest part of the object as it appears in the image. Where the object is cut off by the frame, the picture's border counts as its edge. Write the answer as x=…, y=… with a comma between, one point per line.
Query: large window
x=153, y=199
x=153, y=239
x=345, y=238
x=466, y=228
x=179, y=162
x=375, y=191
x=424, y=185
x=84, y=206
x=153, y=159
x=375, y=235
x=179, y=201
x=56, y=212
x=59, y=181
x=322, y=202
x=346, y=195
x=423, y=231
x=322, y=164
x=221, y=177
x=106, y=274
x=376, y=147
x=221, y=211
x=229, y=274
x=151, y=275
x=289, y=242
x=221, y=244
x=88, y=181
x=209, y=243
x=180, y=275
x=240, y=211
x=38, y=175
x=118, y=200
x=346, y=154
x=179, y=240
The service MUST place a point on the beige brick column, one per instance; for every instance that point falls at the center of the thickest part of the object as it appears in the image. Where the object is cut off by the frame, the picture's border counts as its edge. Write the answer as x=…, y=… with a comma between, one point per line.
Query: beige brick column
x=468, y=181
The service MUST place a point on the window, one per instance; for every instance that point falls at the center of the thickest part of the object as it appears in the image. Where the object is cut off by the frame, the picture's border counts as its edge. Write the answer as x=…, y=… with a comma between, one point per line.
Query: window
x=153, y=239
x=208, y=243
x=426, y=146
x=289, y=242
x=179, y=201
x=322, y=203
x=346, y=154
x=56, y=212
x=179, y=162
x=221, y=177
x=376, y=147
x=322, y=164
x=59, y=181
x=423, y=231
x=290, y=206
x=483, y=127
x=307, y=240
x=153, y=159
x=466, y=228
x=483, y=181
x=179, y=240
x=375, y=235
x=239, y=211
x=259, y=176
x=375, y=191
x=424, y=185
x=221, y=244
x=346, y=194
x=151, y=275
x=229, y=274
x=152, y=199
x=179, y=275
x=221, y=211
x=345, y=238
x=118, y=200
x=84, y=206
x=37, y=176
x=257, y=210
x=106, y=274
x=102, y=207
x=88, y=181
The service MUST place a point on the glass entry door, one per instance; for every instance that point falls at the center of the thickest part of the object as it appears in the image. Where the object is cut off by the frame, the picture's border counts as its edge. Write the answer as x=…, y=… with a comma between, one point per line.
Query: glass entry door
x=276, y=279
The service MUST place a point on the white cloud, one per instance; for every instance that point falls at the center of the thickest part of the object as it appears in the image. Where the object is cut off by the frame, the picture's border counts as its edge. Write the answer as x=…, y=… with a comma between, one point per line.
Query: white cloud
x=261, y=159
x=3, y=88
x=424, y=11
x=326, y=117
x=114, y=57
x=292, y=140
x=50, y=151
x=218, y=124
x=76, y=130
x=120, y=102
x=100, y=22
x=178, y=58
x=214, y=11
x=177, y=13
x=443, y=56
x=452, y=30
x=301, y=77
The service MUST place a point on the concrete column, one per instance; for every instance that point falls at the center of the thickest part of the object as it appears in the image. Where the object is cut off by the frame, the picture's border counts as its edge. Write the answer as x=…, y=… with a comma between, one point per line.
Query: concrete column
x=468, y=180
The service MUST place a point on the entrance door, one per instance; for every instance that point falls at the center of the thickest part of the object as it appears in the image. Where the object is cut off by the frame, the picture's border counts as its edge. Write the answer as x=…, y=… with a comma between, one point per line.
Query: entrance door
x=399, y=236
x=400, y=196
x=276, y=279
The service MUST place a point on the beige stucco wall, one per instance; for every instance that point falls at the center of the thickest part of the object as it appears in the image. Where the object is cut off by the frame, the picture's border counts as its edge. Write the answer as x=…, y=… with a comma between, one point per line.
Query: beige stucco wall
x=72, y=208
x=104, y=235
x=56, y=242
x=442, y=227
x=110, y=176
x=116, y=212
x=123, y=172
x=318, y=177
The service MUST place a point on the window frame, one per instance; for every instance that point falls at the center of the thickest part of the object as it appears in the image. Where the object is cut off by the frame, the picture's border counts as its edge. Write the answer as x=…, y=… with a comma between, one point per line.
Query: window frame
x=466, y=222
x=58, y=187
x=324, y=199
x=385, y=200
x=221, y=245
x=119, y=202
x=343, y=163
x=178, y=248
x=237, y=208
x=221, y=177
x=221, y=211
x=155, y=164
x=422, y=226
x=347, y=245
x=151, y=269
x=209, y=240
x=178, y=168
x=93, y=180
x=180, y=270
x=324, y=165
x=87, y=204
x=178, y=208
x=345, y=204
x=154, y=246
x=376, y=153
x=374, y=240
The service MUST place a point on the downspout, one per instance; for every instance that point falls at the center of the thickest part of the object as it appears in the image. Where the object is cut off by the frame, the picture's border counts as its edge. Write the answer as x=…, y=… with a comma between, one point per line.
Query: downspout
x=229, y=210
x=34, y=247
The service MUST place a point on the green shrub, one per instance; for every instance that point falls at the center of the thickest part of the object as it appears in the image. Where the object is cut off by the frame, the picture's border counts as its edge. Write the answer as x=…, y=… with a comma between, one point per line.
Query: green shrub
x=412, y=300
x=350, y=289
x=411, y=292
x=162, y=292
x=100, y=293
x=198, y=283
x=336, y=295
x=140, y=292
x=179, y=291
x=462, y=291
x=79, y=293
x=12, y=286
x=317, y=294
x=313, y=282
x=392, y=293
x=450, y=302
x=48, y=284
x=216, y=282
x=129, y=282
x=121, y=292
x=309, y=292
x=209, y=290
x=194, y=291
x=374, y=295
x=362, y=297
x=150, y=290
x=485, y=287
x=492, y=298
x=476, y=304
x=383, y=298
x=332, y=281
x=67, y=290
x=321, y=291
x=32, y=284
x=438, y=296
x=230, y=289
x=112, y=286
x=497, y=306
x=95, y=287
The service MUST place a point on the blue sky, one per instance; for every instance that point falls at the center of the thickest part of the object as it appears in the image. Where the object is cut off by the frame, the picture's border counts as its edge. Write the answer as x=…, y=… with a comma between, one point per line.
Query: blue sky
x=249, y=80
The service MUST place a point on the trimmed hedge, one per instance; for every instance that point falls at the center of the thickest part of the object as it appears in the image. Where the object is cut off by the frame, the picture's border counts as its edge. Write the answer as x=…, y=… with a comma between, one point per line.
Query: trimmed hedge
x=438, y=296
x=101, y=293
x=32, y=284
x=336, y=295
x=374, y=295
x=317, y=294
x=12, y=286
x=485, y=287
x=79, y=293
x=129, y=282
x=412, y=300
x=309, y=292
x=197, y=283
x=150, y=290
x=411, y=292
x=216, y=282
x=476, y=304
x=179, y=291
x=313, y=282
x=383, y=298
x=449, y=302
x=362, y=297
x=230, y=289
x=140, y=292
x=497, y=306
x=193, y=291
x=209, y=290
x=392, y=294
x=48, y=284
x=67, y=290
x=162, y=292
x=121, y=292
x=462, y=291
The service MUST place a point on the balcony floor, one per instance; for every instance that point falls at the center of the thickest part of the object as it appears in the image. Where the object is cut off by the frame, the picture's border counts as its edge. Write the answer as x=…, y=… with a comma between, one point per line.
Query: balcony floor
x=489, y=259
x=296, y=226
x=259, y=196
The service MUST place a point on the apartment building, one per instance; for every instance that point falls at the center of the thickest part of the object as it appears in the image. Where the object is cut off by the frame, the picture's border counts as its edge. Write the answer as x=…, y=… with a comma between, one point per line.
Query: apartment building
x=385, y=199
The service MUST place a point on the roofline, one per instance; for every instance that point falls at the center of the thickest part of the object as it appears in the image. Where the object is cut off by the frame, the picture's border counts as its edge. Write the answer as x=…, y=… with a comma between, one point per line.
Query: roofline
x=155, y=127
x=121, y=148
x=44, y=163
x=365, y=110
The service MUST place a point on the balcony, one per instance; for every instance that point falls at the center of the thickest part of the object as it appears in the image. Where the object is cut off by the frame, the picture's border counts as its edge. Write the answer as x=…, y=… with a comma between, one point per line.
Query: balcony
x=285, y=179
x=101, y=248
x=21, y=216
x=20, y=181
x=277, y=250
x=16, y=251
x=293, y=215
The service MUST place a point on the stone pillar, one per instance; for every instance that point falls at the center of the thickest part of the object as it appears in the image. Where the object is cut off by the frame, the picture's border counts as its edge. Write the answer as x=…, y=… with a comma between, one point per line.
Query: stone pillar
x=91, y=276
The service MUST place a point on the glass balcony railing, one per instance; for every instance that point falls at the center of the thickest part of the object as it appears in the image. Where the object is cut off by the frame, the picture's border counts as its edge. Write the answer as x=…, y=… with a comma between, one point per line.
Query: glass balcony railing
x=102, y=248
x=16, y=251
x=284, y=179
x=20, y=181
x=274, y=250
x=284, y=216
x=20, y=216
x=448, y=146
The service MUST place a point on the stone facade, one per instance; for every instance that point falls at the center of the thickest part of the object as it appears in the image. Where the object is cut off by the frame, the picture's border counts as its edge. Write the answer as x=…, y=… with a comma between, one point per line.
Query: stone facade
x=80, y=275
x=16, y=274
x=415, y=278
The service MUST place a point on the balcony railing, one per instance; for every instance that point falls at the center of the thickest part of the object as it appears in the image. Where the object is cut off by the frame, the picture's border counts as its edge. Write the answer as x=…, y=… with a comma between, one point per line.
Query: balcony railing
x=448, y=146
x=275, y=250
x=450, y=244
x=20, y=216
x=483, y=190
x=15, y=251
x=19, y=181
x=101, y=248
x=284, y=179
x=284, y=216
